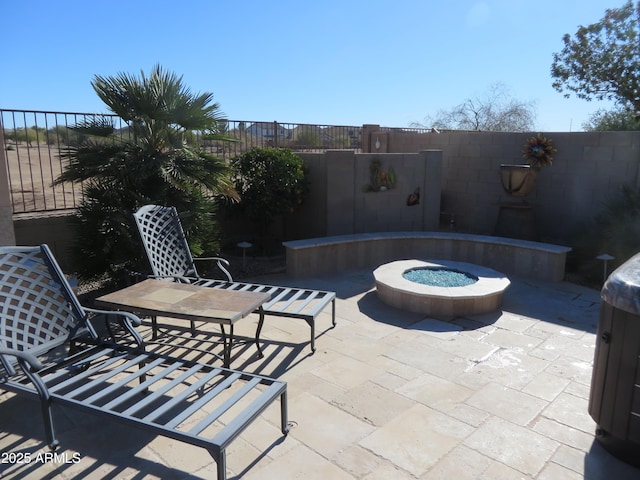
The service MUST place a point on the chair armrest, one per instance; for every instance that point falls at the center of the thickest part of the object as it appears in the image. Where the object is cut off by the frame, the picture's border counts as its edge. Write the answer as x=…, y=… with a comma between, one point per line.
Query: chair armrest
x=30, y=366
x=177, y=278
x=217, y=259
x=129, y=317
x=126, y=319
x=221, y=262
x=31, y=360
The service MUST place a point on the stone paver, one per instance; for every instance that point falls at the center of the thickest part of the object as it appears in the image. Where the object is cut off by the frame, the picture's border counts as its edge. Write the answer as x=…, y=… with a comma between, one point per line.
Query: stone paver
x=513, y=445
x=388, y=394
x=417, y=439
x=504, y=402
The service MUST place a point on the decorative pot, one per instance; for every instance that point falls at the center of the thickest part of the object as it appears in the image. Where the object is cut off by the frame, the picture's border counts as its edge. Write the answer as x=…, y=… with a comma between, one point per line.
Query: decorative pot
x=518, y=180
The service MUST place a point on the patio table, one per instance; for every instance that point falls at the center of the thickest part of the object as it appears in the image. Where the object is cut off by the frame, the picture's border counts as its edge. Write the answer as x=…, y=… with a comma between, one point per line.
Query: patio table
x=190, y=302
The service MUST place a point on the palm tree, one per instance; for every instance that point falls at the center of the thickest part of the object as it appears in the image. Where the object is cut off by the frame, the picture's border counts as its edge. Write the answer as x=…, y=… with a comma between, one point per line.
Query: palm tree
x=156, y=161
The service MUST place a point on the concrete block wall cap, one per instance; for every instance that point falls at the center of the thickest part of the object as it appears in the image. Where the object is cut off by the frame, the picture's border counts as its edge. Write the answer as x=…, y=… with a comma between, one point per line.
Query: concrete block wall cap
x=359, y=237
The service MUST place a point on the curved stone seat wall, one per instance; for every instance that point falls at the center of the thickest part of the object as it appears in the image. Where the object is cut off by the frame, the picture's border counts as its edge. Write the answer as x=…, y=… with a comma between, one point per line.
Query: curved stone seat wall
x=314, y=256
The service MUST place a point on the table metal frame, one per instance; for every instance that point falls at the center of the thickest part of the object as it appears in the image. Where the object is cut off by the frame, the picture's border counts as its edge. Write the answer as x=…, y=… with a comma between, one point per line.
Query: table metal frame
x=190, y=302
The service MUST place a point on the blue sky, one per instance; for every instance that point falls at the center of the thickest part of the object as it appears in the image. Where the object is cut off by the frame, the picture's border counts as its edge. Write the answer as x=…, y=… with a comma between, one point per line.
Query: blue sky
x=329, y=62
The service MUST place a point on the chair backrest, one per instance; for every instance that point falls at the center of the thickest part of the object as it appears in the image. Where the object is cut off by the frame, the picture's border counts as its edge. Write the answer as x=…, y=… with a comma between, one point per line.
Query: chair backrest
x=164, y=241
x=38, y=309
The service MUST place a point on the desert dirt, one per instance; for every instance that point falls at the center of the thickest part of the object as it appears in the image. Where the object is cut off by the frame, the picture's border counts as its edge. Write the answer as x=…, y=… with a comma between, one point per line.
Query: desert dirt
x=32, y=171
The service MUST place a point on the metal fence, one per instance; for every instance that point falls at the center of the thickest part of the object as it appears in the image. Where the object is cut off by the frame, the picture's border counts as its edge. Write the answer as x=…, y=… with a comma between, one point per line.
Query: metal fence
x=34, y=142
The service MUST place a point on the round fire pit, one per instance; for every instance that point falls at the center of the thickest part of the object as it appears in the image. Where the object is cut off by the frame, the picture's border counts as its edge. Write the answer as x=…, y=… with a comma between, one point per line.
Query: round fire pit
x=447, y=289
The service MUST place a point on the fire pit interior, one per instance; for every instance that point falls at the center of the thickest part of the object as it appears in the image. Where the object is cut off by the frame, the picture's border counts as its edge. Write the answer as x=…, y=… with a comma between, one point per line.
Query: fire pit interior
x=440, y=277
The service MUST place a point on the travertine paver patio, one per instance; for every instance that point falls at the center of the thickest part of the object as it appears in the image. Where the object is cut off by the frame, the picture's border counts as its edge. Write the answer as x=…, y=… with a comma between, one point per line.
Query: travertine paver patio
x=388, y=394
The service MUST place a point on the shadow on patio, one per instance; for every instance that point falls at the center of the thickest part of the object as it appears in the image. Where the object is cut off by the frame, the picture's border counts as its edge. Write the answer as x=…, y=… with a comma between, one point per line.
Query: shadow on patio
x=388, y=394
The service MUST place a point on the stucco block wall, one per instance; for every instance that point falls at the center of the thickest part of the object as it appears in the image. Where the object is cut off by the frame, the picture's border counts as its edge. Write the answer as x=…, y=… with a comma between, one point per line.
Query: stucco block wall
x=340, y=204
x=340, y=191
x=337, y=203
x=588, y=170
x=311, y=218
x=7, y=235
x=458, y=173
x=577, y=186
x=57, y=231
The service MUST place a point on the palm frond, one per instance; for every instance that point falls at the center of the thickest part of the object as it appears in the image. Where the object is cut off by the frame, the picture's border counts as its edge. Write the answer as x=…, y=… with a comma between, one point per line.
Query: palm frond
x=160, y=162
x=98, y=127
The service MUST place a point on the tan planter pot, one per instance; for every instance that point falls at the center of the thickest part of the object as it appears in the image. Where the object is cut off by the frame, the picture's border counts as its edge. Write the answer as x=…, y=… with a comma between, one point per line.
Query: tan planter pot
x=518, y=180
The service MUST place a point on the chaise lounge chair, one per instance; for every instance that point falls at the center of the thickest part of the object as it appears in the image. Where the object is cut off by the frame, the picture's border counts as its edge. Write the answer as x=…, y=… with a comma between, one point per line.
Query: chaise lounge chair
x=106, y=374
x=170, y=257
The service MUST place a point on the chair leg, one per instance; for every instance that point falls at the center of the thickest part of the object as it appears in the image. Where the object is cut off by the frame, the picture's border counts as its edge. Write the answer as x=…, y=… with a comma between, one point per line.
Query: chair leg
x=229, y=346
x=333, y=312
x=49, y=430
x=312, y=324
x=283, y=413
x=221, y=461
x=258, y=330
x=154, y=327
x=45, y=407
x=227, y=343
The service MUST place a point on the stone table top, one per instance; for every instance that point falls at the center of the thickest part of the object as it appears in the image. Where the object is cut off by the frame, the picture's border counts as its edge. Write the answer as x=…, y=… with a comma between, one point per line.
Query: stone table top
x=186, y=301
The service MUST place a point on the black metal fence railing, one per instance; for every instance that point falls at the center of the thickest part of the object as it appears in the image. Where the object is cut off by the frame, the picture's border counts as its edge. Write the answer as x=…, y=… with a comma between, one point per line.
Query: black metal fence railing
x=411, y=130
x=295, y=136
x=34, y=142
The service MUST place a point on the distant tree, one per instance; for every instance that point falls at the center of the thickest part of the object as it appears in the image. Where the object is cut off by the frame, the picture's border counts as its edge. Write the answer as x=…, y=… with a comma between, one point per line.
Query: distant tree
x=341, y=140
x=40, y=132
x=307, y=137
x=616, y=120
x=602, y=61
x=58, y=135
x=22, y=134
x=495, y=111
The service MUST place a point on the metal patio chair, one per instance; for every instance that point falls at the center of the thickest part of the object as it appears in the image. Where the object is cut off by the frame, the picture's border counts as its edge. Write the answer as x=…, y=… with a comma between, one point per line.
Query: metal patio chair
x=108, y=372
x=169, y=255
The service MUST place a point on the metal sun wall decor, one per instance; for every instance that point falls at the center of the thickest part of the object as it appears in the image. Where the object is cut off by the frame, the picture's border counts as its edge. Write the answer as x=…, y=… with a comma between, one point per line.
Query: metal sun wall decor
x=414, y=198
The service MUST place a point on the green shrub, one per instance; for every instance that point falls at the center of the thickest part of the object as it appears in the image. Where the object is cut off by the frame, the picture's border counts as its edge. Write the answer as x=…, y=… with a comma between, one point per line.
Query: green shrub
x=22, y=135
x=615, y=231
x=270, y=182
